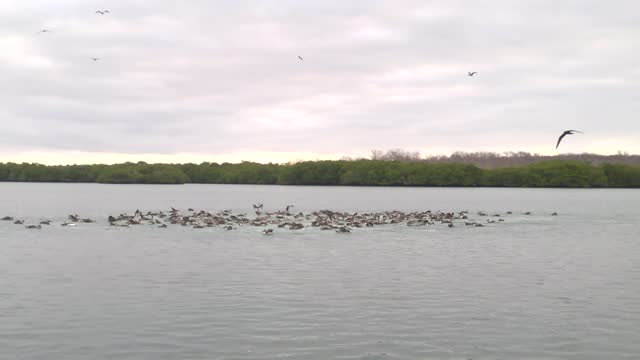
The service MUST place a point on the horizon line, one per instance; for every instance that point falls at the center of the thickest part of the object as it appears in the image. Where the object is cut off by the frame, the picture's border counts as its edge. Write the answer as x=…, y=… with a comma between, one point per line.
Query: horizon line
x=182, y=159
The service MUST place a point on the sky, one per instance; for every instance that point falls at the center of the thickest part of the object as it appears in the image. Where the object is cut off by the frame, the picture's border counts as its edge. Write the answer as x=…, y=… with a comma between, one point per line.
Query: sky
x=213, y=80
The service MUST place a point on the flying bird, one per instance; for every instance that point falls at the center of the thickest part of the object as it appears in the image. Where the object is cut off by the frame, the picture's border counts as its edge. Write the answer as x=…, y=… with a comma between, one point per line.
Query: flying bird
x=102, y=12
x=568, y=132
x=472, y=73
x=95, y=59
x=300, y=57
x=44, y=31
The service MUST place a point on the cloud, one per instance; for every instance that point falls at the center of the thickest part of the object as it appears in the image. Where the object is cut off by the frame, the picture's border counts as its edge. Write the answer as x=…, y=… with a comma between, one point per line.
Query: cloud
x=214, y=78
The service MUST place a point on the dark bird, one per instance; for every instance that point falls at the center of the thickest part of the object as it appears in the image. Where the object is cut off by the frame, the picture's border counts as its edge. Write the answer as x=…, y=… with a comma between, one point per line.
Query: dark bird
x=568, y=132
x=289, y=207
x=43, y=31
x=300, y=58
x=95, y=59
x=472, y=73
x=102, y=12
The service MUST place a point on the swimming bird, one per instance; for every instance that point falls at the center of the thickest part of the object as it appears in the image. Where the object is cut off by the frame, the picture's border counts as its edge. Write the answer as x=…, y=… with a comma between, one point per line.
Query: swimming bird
x=300, y=58
x=568, y=132
x=102, y=12
x=472, y=73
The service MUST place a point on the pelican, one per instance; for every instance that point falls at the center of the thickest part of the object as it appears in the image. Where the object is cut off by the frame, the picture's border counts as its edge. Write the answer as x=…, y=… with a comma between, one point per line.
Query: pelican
x=472, y=73
x=568, y=132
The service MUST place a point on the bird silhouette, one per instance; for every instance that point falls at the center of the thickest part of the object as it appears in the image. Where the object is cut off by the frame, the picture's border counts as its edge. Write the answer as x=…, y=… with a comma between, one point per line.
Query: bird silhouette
x=568, y=132
x=95, y=59
x=300, y=57
x=103, y=12
x=43, y=31
x=472, y=73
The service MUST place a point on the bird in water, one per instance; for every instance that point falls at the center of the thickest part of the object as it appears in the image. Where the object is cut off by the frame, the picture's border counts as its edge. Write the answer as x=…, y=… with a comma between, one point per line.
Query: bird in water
x=289, y=207
x=300, y=58
x=258, y=208
x=472, y=73
x=568, y=132
x=103, y=12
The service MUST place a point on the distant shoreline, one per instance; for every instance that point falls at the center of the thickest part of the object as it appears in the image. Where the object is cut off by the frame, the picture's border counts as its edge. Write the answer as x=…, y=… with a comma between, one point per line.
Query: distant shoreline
x=330, y=186
x=375, y=173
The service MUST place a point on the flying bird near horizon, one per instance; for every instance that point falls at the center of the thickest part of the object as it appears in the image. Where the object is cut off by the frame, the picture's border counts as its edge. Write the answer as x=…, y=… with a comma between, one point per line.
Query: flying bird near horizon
x=568, y=132
x=472, y=73
x=103, y=12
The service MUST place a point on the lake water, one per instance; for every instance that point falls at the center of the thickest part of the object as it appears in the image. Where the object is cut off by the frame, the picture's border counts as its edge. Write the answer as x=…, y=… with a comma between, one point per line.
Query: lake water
x=533, y=287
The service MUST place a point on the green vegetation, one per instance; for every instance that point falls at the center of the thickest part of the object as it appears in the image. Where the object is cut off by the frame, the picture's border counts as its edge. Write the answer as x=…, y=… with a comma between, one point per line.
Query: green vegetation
x=558, y=173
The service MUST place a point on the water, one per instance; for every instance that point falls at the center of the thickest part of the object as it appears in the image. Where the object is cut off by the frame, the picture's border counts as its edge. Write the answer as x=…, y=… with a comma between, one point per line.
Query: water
x=535, y=287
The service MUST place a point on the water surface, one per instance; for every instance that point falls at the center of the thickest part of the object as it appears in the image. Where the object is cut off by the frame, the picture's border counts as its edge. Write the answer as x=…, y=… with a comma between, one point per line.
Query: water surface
x=535, y=287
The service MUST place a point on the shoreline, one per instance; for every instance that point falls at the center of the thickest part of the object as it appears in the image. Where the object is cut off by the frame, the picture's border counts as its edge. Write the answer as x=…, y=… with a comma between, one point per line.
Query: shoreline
x=371, y=173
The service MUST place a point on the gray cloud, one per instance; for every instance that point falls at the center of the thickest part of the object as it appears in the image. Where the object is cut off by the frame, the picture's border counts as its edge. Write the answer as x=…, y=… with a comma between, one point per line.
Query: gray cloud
x=213, y=77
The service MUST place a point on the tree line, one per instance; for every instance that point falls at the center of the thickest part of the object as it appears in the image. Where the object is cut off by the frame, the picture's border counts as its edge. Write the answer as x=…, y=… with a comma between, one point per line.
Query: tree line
x=490, y=160
x=556, y=173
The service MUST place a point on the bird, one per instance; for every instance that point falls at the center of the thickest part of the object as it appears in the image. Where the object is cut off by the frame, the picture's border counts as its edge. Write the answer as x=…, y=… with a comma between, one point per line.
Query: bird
x=472, y=73
x=568, y=132
x=95, y=59
x=102, y=12
x=289, y=207
x=300, y=58
x=44, y=31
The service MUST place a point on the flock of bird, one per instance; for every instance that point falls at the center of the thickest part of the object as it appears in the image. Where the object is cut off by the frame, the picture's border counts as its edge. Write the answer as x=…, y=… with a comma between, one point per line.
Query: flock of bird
x=325, y=220
x=470, y=74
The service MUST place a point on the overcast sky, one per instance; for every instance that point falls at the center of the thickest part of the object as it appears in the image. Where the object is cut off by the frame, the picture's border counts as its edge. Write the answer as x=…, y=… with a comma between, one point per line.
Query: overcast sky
x=196, y=80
